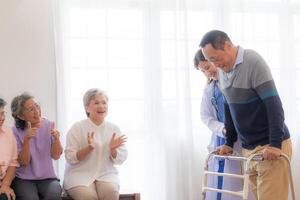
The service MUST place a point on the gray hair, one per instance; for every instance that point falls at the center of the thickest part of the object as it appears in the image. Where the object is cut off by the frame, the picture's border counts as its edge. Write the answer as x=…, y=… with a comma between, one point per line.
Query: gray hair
x=16, y=108
x=90, y=95
x=2, y=103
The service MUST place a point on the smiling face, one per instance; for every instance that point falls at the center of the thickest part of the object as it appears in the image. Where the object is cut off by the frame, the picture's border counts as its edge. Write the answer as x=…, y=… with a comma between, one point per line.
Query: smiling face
x=224, y=59
x=97, y=108
x=31, y=112
x=208, y=68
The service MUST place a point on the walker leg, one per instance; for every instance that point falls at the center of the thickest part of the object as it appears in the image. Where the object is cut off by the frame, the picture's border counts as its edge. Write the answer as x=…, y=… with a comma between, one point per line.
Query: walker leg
x=203, y=195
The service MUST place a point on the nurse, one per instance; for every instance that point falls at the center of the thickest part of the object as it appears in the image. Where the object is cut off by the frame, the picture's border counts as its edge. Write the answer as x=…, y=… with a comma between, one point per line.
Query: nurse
x=212, y=115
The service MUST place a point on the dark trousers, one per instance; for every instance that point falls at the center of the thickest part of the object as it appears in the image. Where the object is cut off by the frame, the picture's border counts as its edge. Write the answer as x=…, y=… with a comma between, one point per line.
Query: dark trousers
x=3, y=197
x=47, y=189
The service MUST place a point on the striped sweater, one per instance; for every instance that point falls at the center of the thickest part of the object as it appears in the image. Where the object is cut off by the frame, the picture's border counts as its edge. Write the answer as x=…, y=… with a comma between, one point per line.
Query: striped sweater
x=253, y=109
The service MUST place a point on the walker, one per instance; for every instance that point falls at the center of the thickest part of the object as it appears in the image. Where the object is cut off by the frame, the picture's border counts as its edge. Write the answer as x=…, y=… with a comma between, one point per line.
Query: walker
x=245, y=176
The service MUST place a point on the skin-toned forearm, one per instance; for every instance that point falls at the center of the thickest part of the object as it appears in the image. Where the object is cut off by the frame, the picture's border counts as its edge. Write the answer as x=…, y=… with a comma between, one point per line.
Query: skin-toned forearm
x=24, y=156
x=9, y=176
x=82, y=153
x=56, y=149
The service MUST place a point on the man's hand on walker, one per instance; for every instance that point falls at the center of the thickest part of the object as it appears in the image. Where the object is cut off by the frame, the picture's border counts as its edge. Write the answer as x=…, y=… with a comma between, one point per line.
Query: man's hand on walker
x=271, y=153
x=224, y=150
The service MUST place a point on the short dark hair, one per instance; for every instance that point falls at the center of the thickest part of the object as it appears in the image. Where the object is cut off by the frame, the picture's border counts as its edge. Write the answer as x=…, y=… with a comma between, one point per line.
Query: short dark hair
x=199, y=57
x=216, y=38
x=2, y=103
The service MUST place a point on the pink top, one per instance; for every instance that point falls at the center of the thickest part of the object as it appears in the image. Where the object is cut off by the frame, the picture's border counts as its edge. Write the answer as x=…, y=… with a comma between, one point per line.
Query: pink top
x=8, y=150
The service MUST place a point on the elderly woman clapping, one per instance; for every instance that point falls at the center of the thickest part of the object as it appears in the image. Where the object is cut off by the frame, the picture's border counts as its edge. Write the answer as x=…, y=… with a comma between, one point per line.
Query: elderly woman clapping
x=94, y=146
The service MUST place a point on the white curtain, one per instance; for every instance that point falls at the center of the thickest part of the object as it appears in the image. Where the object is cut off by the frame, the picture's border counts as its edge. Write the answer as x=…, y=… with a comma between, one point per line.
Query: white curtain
x=141, y=53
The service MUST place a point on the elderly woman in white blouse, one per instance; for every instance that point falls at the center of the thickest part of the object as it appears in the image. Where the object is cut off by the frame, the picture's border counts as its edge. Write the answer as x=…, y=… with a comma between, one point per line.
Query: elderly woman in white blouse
x=94, y=146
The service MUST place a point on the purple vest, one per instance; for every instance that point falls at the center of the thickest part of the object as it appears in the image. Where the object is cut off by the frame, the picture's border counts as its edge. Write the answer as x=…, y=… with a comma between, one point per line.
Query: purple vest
x=40, y=166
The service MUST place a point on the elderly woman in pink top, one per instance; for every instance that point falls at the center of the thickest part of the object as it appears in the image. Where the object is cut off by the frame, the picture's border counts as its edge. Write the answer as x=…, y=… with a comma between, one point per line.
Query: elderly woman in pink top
x=8, y=157
x=38, y=144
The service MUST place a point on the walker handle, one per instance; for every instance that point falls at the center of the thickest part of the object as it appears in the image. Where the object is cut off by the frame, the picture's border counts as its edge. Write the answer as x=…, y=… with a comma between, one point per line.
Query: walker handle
x=259, y=157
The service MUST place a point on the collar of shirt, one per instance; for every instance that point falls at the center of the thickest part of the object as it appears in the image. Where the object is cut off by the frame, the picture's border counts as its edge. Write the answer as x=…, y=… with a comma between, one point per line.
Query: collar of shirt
x=95, y=125
x=239, y=59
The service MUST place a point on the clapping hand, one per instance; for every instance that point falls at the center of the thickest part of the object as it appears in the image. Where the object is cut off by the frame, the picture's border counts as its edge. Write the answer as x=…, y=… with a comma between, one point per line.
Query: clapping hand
x=115, y=143
x=90, y=138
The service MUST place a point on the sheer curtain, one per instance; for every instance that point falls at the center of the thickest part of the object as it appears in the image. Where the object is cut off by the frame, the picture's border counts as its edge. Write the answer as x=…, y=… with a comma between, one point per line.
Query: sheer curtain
x=141, y=53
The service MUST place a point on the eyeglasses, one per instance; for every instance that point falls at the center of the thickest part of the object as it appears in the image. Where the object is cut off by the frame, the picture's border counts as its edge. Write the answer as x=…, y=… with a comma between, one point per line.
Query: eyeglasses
x=36, y=107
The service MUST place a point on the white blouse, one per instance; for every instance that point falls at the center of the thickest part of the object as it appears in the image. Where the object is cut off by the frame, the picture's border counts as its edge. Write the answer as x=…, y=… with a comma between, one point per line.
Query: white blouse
x=98, y=165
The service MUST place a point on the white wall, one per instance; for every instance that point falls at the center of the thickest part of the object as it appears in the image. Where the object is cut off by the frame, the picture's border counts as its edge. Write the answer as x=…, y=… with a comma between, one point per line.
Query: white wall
x=27, y=57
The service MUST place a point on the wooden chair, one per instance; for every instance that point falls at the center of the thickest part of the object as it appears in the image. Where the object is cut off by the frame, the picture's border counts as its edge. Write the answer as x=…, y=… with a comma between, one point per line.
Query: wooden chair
x=133, y=196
